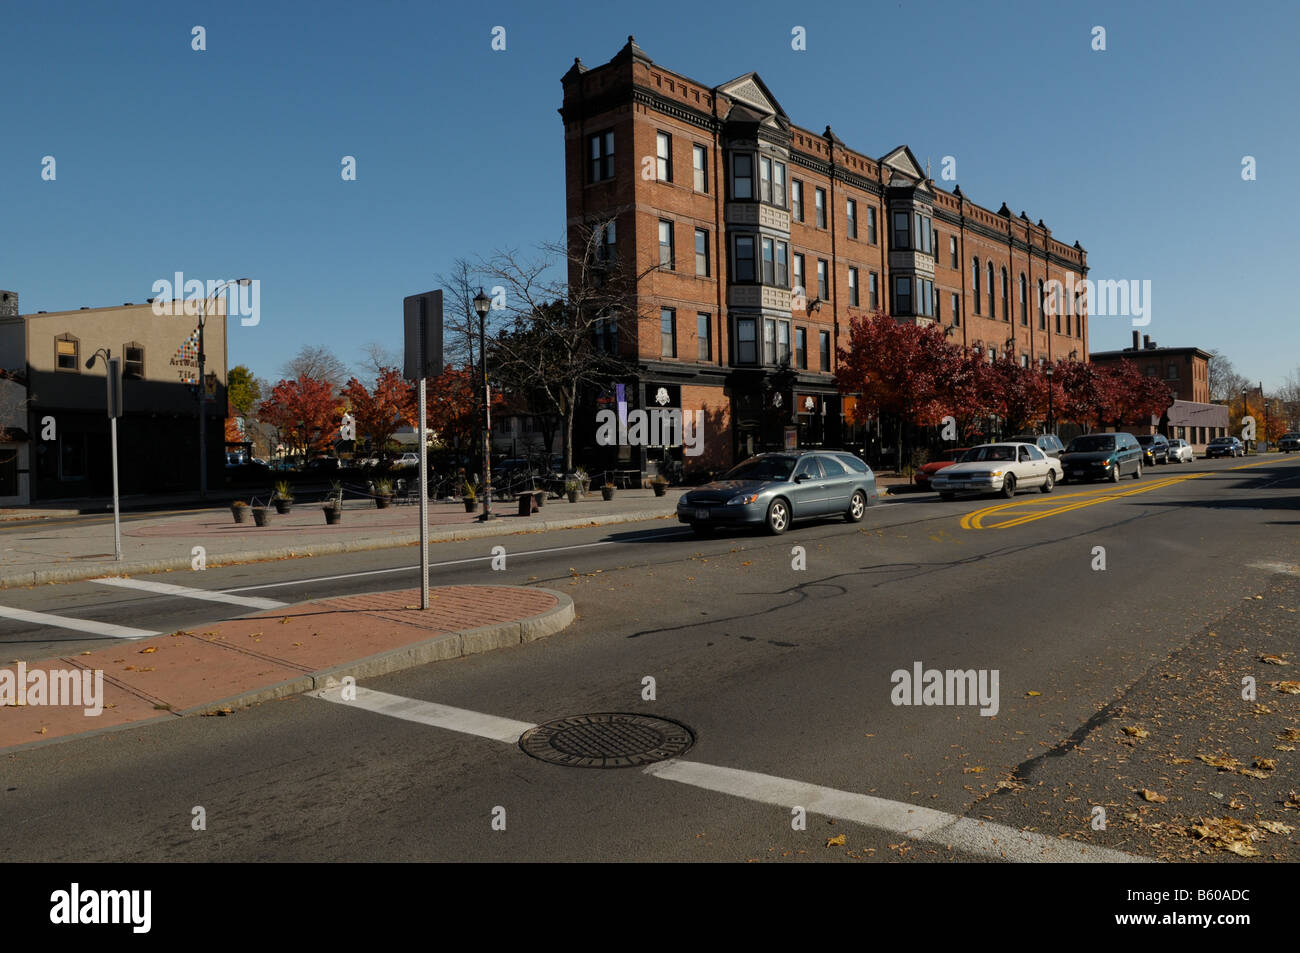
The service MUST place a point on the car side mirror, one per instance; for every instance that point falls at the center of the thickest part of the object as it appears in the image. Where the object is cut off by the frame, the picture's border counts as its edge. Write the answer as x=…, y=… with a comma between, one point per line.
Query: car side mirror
x=801, y=477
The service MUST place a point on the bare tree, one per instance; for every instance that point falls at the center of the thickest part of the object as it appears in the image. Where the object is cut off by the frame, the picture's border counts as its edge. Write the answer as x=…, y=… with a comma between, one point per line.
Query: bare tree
x=1225, y=382
x=318, y=362
x=559, y=306
x=378, y=358
x=459, y=319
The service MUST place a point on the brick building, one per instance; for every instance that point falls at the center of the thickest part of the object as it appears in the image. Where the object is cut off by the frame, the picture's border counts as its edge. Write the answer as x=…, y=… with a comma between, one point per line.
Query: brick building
x=768, y=238
x=1186, y=371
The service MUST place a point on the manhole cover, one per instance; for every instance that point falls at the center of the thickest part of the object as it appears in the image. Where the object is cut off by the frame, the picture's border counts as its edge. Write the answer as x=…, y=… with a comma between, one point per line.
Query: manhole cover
x=607, y=740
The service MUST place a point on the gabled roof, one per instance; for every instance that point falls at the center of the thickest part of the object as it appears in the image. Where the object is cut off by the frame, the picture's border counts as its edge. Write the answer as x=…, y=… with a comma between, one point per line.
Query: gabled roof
x=902, y=160
x=753, y=92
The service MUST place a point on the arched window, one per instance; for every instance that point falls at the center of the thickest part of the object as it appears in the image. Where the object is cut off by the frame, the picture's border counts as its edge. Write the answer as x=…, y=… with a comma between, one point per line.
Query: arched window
x=1042, y=316
x=975, y=282
x=1006, y=295
x=992, y=309
x=1024, y=301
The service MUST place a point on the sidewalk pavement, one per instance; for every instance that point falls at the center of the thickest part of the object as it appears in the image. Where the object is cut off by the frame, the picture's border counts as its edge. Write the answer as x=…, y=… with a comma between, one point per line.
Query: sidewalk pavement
x=270, y=655
x=45, y=552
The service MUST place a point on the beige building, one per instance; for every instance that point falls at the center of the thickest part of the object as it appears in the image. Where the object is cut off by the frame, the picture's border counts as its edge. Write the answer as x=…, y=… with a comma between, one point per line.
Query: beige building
x=66, y=419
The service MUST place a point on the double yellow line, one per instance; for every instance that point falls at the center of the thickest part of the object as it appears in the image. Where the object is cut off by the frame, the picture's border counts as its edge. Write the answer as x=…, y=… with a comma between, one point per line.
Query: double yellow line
x=1042, y=506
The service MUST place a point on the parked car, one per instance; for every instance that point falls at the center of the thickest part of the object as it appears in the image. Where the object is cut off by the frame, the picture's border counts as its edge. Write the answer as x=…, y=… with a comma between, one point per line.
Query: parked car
x=1102, y=456
x=999, y=468
x=1225, y=447
x=1289, y=442
x=407, y=460
x=924, y=475
x=1180, y=451
x=322, y=465
x=1155, y=448
x=774, y=490
x=1049, y=443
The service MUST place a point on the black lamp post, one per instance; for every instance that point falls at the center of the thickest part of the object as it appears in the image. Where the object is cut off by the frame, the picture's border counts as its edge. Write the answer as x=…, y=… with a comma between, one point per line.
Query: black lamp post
x=1048, y=371
x=203, y=385
x=483, y=304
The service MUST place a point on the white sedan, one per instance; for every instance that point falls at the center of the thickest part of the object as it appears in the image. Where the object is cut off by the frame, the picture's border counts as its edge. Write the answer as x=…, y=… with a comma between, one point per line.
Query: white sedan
x=999, y=468
x=1180, y=451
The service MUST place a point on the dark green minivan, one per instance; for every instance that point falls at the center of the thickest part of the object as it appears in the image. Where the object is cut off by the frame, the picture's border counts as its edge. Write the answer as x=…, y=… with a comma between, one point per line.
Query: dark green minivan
x=1102, y=456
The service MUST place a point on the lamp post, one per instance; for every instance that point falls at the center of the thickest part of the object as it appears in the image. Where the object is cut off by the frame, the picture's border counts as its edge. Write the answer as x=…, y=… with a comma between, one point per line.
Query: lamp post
x=113, y=376
x=1048, y=371
x=203, y=385
x=482, y=304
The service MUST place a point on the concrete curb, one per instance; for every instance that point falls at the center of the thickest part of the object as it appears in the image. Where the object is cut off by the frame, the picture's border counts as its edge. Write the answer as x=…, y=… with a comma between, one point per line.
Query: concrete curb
x=35, y=577
x=447, y=645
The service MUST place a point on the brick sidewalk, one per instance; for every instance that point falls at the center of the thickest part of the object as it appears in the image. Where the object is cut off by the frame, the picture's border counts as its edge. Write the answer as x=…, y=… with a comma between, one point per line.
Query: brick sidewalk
x=283, y=652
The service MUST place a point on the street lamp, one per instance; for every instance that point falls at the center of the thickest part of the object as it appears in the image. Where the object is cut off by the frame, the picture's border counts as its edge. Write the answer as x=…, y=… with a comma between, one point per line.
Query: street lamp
x=1048, y=371
x=483, y=304
x=203, y=385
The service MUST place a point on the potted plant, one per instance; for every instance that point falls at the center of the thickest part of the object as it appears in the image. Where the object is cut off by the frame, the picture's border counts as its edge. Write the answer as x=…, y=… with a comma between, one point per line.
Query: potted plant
x=383, y=493
x=470, y=497
x=607, y=491
x=584, y=481
x=333, y=505
x=573, y=488
x=239, y=510
x=283, y=498
x=659, y=485
x=260, y=514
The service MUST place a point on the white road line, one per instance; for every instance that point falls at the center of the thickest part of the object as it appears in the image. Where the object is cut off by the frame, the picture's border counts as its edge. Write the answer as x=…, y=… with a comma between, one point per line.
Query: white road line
x=430, y=713
x=449, y=562
x=188, y=592
x=981, y=838
x=966, y=834
x=81, y=625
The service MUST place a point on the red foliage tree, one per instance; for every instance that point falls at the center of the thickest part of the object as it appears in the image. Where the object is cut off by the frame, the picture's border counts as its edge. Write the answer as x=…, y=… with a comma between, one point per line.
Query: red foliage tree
x=898, y=368
x=1019, y=393
x=304, y=412
x=381, y=411
x=452, y=407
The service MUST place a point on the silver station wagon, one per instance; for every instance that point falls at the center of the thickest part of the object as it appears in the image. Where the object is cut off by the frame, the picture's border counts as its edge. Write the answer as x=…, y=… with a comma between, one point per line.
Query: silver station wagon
x=774, y=490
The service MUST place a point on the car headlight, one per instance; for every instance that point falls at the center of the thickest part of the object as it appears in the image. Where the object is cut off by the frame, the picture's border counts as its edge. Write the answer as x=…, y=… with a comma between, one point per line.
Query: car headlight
x=742, y=499
x=995, y=473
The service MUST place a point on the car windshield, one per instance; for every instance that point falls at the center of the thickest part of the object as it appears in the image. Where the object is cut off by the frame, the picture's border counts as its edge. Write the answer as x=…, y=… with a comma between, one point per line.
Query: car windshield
x=1146, y=439
x=1091, y=444
x=762, y=468
x=1221, y=440
x=990, y=453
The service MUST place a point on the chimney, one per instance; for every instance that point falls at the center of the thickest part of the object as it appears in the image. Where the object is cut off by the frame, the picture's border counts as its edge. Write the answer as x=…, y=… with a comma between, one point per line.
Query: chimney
x=1146, y=341
x=1135, y=340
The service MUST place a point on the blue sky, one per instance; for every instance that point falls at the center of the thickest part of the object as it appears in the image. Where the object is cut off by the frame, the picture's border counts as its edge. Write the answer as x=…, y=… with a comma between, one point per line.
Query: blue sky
x=226, y=162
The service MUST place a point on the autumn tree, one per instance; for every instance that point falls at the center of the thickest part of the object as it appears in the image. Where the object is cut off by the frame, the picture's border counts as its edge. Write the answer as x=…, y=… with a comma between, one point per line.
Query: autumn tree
x=1019, y=392
x=452, y=407
x=304, y=412
x=381, y=410
x=243, y=390
x=316, y=362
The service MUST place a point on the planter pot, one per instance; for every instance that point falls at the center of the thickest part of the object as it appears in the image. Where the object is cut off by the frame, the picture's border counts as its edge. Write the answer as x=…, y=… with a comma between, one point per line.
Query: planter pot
x=382, y=502
x=260, y=516
x=573, y=496
x=283, y=506
x=332, y=514
x=607, y=492
x=541, y=499
x=240, y=513
x=659, y=488
x=471, y=505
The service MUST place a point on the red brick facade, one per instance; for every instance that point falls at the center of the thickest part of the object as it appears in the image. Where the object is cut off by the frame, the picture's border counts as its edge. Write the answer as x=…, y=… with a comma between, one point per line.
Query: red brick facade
x=809, y=199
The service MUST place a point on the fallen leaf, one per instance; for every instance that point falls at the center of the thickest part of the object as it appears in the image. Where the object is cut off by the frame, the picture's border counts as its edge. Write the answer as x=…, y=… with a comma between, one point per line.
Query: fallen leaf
x=1152, y=796
x=1137, y=732
x=1032, y=694
x=149, y=651
x=1266, y=764
x=1221, y=762
x=1288, y=688
x=1273, y=660
x=837, y=841
x=1276, y=827
x=978, y=769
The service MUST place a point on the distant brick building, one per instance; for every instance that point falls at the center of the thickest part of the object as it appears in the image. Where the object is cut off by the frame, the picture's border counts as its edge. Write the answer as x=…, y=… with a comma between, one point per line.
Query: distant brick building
x=769, y=238
x=1186, y=371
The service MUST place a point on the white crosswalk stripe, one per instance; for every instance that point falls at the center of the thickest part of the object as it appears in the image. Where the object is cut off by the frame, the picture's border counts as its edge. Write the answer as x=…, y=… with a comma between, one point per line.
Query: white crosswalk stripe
x=981, y=838
x=188, y=592
x=80, y=625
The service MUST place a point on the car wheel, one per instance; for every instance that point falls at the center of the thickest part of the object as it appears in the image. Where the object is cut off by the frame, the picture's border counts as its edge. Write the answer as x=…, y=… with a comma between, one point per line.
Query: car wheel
x=1008, y=486
x=701, y=529
x=778, y=517
x=946, y=496
x=1137, y=474
x=1050, y=483
x=1114, y=472
x=857, y=506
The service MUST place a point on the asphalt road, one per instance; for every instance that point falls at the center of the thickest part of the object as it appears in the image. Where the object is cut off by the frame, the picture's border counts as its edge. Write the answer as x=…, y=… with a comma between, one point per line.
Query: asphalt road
x=784, y=675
